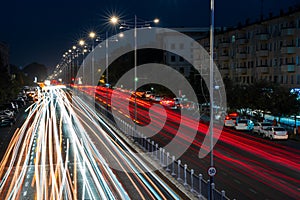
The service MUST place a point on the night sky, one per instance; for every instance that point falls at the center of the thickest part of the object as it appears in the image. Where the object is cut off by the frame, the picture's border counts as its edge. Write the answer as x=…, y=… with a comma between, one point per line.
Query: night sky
x=41, y=31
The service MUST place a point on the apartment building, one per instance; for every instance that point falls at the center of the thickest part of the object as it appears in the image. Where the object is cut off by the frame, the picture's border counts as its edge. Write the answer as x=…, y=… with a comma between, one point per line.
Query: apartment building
x=267, y=49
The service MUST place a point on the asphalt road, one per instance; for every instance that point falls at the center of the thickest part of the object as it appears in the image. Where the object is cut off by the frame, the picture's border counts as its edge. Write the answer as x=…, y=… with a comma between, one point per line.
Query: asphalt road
x=248, y=166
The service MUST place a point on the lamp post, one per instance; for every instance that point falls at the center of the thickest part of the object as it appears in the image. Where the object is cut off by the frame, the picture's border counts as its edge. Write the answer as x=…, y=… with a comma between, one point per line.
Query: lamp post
x=73, y=64
x=135, y=26
x=83, y=50
x=92, y=35
x=211, y=91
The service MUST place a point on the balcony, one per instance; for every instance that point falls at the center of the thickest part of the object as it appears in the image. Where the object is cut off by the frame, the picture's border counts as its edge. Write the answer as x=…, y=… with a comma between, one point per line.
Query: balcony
x=288, y=31
x=263, y=69
x=241, y=41
x=288, y=68
x=262, y=36
x=288, y=50
x=262, y=52
x=242, y=55
x=241, y=70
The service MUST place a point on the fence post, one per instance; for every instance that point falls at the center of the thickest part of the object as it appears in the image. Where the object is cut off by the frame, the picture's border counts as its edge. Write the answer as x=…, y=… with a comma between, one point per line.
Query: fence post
x=152, y=148
x=156, y=145
x=212, y=190
x=168, y=169
x=148, y=144
x=185, y=167
x=163, y=157
x=208, y=190
x=223, y=194
x=178, y=170
x=160, y=157
x=173, y=166
x=200, y=186
x=142, y=137
x=192, y=180
x=145, y=143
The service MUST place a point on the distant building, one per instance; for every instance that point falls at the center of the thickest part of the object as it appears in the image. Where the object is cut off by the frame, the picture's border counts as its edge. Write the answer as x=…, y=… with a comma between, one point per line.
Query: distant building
x=268, y=49
x=182, y=45
x=4, y=56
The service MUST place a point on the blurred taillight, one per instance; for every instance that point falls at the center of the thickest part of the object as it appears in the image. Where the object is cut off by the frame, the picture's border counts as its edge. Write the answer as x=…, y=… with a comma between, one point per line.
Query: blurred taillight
x=274, y=133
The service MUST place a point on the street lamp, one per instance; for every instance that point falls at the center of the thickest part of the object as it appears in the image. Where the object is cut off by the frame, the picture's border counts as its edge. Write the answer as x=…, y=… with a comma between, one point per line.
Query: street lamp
x=128, y=25
x=211, y=91
x=92, y=35
x=82, y=43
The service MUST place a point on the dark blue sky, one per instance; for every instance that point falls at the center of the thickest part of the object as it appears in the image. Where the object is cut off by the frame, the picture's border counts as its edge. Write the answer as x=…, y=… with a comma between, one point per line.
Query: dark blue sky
x=41, y=31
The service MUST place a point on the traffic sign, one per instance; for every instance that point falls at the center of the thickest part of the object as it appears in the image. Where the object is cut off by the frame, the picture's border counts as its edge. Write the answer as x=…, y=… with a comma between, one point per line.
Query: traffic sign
x=211, y=171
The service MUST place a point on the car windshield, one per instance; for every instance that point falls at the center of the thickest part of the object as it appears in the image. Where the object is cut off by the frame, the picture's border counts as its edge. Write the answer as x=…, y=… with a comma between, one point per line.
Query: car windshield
x=243, y=121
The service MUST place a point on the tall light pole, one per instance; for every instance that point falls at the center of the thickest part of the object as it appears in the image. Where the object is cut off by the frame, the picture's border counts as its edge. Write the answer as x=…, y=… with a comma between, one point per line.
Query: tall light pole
x=211, y=91
x=92, y=35
x=82, y=43
x=115, y=20
x=73, y=64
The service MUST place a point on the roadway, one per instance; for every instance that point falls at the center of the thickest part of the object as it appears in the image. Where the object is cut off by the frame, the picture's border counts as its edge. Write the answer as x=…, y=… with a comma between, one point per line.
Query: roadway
x=248, y=166
x=65, y=150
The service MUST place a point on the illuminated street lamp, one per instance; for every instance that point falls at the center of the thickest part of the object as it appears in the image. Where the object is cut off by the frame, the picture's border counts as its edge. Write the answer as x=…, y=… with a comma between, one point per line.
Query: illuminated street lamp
x=92, y=35
x=83, y=50
x=127, y=25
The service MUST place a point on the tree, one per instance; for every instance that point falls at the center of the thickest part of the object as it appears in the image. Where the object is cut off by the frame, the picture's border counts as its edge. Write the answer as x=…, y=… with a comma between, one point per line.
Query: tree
x=284, y=103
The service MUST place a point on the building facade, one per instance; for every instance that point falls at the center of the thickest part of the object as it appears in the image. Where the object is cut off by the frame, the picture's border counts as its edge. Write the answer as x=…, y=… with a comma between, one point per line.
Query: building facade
x=266, y=50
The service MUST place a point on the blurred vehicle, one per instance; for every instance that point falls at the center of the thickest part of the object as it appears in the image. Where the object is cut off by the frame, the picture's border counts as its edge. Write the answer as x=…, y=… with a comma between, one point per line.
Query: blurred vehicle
x=8, y=113
x=170, y=103
x=230, y=119
x=260, y=126
x=243, y=124
x=220, y=116
x=275, y=132
x=6, y=121
x=148, y=94
x=156, y=98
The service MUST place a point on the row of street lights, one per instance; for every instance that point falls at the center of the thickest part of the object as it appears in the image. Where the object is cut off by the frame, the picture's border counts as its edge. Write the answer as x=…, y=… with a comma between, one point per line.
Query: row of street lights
x=67, y=69
x=66, y=65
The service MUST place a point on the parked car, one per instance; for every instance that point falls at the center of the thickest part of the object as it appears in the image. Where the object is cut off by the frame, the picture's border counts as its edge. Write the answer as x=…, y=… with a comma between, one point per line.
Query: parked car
x=275, y=132
x=230, y=119
x=7, y=113
x=260, y=126
x=243, y=124
x=6, y=121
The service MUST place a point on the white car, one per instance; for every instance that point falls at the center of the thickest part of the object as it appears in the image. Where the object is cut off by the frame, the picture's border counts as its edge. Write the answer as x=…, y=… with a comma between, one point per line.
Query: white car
x=260, y=126
x=229, y=121
x=243, y=125
x=275, y=132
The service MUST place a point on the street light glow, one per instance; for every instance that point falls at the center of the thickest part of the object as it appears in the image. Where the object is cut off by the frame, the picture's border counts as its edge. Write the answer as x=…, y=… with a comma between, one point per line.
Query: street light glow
x=92, y=34
x=114, y=20
x=74, y=47
x=121, y=35
x=156, y=20
x=81, y=42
